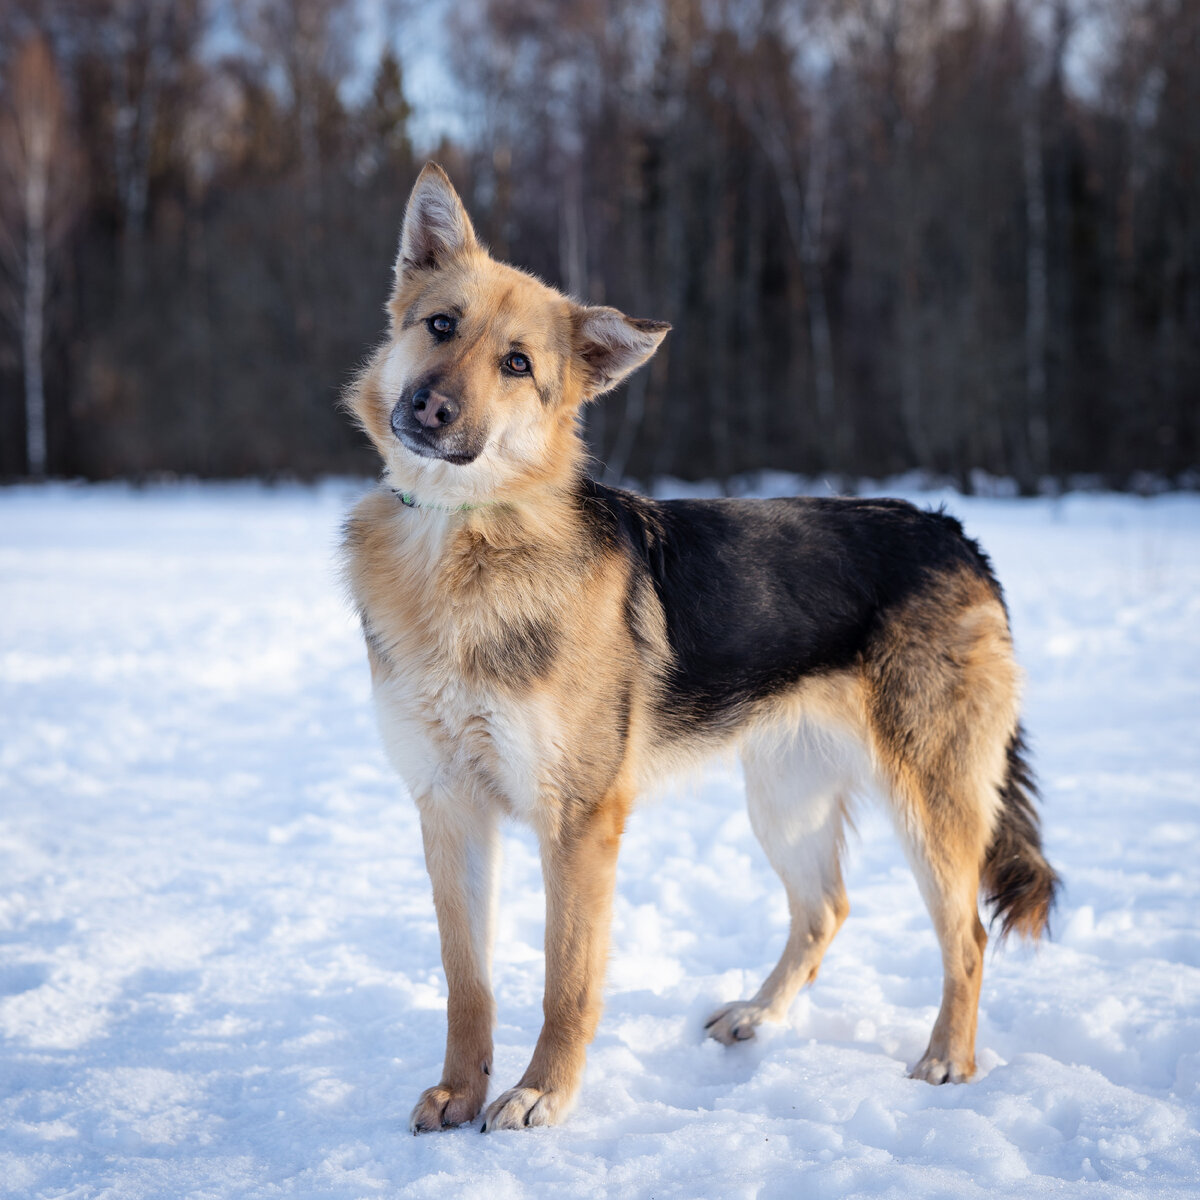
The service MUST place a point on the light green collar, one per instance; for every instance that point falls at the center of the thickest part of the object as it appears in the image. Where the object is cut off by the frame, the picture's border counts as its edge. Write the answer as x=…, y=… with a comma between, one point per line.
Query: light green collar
x=410, y=501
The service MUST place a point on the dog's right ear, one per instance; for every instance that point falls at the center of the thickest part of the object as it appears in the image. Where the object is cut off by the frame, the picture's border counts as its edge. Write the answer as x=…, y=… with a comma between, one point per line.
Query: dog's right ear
x=436, y=226
x=610, y=345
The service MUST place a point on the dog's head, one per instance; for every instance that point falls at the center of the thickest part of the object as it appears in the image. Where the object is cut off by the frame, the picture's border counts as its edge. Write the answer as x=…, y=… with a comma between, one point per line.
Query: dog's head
x=475, y=393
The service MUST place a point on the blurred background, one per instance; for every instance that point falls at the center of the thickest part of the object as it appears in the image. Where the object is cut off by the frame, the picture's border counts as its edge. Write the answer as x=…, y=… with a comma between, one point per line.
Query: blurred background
x=958, y=236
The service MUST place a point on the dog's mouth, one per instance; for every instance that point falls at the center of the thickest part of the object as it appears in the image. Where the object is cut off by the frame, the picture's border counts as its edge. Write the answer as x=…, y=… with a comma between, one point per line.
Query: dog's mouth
x=424, y=448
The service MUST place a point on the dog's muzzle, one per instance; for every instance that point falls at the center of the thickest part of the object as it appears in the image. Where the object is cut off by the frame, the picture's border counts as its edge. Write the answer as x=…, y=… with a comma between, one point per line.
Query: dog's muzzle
x=431, y=424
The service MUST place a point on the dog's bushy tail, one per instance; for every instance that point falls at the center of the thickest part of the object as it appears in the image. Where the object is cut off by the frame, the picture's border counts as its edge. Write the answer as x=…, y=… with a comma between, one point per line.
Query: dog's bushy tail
x=1019, y=885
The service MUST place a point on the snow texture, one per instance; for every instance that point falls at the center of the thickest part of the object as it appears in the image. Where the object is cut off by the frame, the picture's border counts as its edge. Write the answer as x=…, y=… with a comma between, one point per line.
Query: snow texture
x=219, y=971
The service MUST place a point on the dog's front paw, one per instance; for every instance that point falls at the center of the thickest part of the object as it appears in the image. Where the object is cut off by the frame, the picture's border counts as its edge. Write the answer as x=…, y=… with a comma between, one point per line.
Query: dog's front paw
x=933, y=1068
x=444, y=1106
x=735, y=1022
x=521, y=1106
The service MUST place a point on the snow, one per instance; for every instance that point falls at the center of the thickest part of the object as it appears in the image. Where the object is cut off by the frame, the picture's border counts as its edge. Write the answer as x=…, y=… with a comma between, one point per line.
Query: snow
x=219, y=970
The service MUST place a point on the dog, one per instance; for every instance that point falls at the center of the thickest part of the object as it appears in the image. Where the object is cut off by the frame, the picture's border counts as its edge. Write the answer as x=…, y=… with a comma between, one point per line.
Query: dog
x=545, y=647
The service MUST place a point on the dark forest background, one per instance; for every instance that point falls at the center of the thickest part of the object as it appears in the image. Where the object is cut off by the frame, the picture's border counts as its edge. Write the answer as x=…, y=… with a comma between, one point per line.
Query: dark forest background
x=890, y=234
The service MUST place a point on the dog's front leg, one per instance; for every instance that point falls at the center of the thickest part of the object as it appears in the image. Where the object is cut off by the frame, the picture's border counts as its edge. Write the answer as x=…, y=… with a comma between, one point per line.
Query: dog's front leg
x=579, y=864
x=462, y=852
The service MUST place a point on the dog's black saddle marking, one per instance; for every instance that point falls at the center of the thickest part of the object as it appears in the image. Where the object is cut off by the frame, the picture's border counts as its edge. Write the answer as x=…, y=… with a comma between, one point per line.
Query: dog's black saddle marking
x=758, y=593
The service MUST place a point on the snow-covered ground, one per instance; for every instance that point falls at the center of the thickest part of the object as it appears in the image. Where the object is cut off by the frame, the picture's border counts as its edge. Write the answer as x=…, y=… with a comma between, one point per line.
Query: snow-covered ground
x=219, y=969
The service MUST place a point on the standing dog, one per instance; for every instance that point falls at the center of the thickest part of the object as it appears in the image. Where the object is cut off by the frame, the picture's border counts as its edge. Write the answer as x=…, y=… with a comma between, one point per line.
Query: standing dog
x=543, y=646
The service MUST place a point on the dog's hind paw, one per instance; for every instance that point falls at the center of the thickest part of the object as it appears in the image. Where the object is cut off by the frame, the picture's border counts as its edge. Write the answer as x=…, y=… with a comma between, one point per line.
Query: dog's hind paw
x=443, y=1107
x=735, y=1022
x=522, y=1106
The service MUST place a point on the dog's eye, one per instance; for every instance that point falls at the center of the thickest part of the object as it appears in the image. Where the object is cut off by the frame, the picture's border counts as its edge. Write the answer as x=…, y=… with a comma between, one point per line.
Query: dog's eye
x=441, y=326
x=518, y=364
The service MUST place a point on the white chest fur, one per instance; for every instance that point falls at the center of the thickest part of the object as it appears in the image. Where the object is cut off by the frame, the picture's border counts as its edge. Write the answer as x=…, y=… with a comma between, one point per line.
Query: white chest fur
x=453, y=735
x=454, y=743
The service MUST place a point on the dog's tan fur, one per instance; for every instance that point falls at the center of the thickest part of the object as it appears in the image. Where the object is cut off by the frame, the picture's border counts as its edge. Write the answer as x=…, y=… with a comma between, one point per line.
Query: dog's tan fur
x=514, y=674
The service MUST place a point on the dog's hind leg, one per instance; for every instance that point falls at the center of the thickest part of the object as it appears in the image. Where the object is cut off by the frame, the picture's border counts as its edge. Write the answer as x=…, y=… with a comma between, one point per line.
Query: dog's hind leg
x=944, y=709
x=797, y=794
x=945, y=805
x=948, y=878
x=462, y=851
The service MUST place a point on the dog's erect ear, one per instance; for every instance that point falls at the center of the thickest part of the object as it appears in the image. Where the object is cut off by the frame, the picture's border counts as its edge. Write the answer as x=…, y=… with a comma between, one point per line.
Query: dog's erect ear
x=611, y=345
x=436, y=226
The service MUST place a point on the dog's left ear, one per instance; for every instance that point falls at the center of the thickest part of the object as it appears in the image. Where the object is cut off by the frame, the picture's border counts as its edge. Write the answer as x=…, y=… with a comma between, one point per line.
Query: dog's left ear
x=611, y=345
x=436, y=226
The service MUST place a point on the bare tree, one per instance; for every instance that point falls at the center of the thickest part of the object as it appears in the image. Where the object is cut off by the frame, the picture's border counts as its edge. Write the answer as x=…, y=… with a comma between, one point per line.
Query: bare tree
x=39, y=191
x=143, y=45
x=137, y=33
x=310, y=41
x=1042, y=75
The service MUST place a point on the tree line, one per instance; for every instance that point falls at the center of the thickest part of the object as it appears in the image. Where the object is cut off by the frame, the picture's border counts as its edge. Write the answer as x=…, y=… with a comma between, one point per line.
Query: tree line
x=952, y=235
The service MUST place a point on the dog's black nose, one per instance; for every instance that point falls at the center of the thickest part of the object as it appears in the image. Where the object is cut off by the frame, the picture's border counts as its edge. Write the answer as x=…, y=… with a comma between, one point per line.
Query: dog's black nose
x=433, y=410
